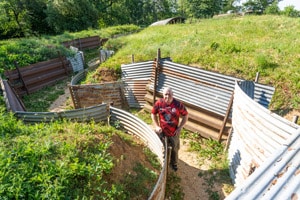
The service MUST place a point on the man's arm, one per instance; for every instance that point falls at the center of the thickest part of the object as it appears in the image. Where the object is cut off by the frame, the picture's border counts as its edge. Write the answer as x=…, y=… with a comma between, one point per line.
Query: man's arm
x=156, y=124
x=182, y=123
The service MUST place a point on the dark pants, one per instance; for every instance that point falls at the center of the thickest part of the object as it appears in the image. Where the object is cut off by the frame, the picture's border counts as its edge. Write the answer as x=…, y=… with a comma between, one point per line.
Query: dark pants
x=174, y=142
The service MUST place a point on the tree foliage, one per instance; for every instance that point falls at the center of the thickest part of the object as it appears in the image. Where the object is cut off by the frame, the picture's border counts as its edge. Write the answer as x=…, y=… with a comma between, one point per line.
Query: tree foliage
x=21, y=18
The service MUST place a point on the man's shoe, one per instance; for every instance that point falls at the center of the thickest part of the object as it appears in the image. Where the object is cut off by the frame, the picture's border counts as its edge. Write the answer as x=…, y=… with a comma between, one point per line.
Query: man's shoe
x=174, y=167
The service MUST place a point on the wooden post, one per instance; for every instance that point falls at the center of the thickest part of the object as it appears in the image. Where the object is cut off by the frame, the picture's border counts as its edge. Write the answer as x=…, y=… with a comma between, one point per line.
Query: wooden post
x=156, y=75
x=132, y=58
x=226, y=117
x=295, y=119
x=63, y=63
x=257, y=77
x=21, y=77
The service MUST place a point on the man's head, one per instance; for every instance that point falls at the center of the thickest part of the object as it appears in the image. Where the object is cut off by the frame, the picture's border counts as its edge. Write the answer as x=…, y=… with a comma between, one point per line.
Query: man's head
x=168, y=95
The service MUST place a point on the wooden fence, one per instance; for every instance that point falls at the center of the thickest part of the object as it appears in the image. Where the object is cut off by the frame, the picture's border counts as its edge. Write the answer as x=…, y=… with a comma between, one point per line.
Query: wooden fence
x=32, y=78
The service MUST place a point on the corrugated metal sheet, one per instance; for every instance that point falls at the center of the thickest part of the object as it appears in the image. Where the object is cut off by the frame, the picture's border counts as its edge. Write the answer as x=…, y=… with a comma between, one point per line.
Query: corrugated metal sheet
x=78, y=77
x=198, y=87
x=77, y=61
x=32, y=78
x=96, y=113
x=134, y=125
x=84, y=43
x=135, y=77
x=173, y=20
x=12, y=101
x=278, y=178
x=208, y=90
x=258, y=136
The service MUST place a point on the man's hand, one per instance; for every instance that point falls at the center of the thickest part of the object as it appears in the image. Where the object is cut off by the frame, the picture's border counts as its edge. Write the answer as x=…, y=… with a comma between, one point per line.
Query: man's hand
x=158, y=129
x=177, y=131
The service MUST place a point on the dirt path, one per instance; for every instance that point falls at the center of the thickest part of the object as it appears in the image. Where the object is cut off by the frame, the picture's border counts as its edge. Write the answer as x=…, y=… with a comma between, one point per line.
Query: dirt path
x=188, y=171
x=61, y=102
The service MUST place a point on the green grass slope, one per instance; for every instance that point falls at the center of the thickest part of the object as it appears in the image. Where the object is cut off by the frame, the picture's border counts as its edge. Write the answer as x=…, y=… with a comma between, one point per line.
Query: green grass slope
x=238, y=46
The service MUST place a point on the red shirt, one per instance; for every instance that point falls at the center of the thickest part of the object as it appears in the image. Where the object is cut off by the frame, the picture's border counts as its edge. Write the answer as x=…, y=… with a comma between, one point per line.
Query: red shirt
x=169, y=115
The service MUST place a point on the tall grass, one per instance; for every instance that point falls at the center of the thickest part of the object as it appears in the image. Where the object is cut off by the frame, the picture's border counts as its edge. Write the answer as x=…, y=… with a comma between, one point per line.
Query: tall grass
x=238, y=46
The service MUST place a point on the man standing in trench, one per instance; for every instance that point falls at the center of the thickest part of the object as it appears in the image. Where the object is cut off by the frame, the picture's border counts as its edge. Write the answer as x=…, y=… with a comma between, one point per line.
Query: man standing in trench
x=169, y=111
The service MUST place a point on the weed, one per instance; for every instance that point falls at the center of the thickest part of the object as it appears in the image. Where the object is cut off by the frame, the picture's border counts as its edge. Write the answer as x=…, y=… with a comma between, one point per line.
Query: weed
x=138, y=185
x=41, y=100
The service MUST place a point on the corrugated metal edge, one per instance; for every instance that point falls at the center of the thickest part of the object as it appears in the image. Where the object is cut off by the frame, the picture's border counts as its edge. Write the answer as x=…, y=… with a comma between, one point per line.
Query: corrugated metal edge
x=277, y=178
x=266, y=182
x=96, y=113
x=136, y=126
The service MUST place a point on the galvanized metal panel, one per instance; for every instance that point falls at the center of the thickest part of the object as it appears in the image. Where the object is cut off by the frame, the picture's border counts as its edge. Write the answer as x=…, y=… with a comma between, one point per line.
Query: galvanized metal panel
x=77, y=61
x=208, y=90
x=97, y=113
x=135, y=77
x=279, y=176
x=257, y=136
x=215, y=86
x=137, y=127
x=78, y=77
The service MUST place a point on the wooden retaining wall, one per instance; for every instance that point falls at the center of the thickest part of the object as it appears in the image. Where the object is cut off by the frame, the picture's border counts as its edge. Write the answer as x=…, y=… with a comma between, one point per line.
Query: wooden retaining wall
x=90, y=95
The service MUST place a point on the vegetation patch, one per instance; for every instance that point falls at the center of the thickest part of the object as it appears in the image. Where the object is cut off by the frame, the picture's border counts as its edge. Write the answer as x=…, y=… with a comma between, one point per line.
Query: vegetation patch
x=66, y=160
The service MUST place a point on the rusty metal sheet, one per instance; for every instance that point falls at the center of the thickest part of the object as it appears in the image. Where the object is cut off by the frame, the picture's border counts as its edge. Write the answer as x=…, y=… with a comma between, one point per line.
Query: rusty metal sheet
x=34, y=77
x=12, y=101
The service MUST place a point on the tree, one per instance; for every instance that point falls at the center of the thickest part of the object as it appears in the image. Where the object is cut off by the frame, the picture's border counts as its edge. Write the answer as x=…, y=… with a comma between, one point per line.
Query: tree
x=273, y=8
x=13, y=19
x=258, y=6
x=71, y=15
x=290, y=11
x=203, y=8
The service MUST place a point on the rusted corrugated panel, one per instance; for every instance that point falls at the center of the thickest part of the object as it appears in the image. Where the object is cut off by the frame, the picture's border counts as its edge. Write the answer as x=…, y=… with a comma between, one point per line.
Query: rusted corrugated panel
x=12, y=101
x=93, y=94
x=34, y=77
x=258, y=134
x=84, y=43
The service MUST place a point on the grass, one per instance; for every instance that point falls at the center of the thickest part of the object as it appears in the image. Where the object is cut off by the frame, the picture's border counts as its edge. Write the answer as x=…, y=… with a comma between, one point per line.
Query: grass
x=240, y=47
x=66, y=160
x=57, y=161
x=237, y=46
x=41, y=100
